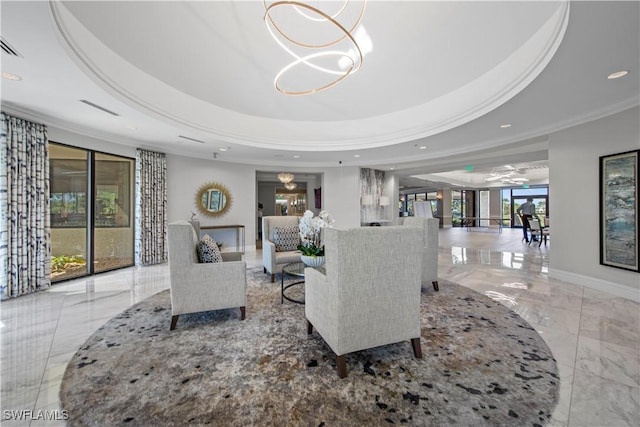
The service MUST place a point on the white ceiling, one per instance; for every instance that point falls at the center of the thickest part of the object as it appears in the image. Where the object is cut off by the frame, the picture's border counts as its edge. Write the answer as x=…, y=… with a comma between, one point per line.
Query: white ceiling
x=441, y=75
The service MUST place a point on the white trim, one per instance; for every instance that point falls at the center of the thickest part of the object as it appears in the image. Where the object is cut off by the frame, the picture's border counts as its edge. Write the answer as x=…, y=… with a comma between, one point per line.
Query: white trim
x=472, y=100
x=595, y=283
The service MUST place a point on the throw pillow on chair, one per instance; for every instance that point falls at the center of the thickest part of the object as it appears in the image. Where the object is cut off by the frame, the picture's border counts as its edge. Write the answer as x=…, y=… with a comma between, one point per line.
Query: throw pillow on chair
x=286, y=238
x=208, y=250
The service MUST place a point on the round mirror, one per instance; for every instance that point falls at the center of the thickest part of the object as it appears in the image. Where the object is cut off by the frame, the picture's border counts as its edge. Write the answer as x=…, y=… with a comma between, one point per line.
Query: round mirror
x=213, y=199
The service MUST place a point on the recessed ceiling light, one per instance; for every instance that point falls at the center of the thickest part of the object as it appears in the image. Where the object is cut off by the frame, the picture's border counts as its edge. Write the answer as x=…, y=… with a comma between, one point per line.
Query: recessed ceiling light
x=10, y=76
x=356, y=155
x=223, y=149
x=506, y=125
x=617, y=74
x=296, y=157
x=423, y=147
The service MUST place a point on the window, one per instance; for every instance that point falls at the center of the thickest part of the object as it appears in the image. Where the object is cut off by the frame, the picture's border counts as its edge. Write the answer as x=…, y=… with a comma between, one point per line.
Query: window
x=83, y=243
x=515, y=197
x=506, y=207
x=456, y=208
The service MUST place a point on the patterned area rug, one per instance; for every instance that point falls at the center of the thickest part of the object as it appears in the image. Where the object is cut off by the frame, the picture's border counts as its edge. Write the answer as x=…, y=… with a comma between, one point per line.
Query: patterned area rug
x=482, y=365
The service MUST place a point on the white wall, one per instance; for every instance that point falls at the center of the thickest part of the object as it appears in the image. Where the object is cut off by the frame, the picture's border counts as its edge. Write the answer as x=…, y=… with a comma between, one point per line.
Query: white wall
x=341, y=195
x=574, y=202
x=185, y=175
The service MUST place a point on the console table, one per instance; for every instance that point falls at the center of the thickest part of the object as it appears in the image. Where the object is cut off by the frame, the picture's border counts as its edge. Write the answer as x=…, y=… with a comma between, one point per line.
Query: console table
x=240, y=241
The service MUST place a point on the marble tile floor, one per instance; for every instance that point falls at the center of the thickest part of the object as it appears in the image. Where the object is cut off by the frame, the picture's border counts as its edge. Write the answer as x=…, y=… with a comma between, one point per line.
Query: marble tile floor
x=594, y=336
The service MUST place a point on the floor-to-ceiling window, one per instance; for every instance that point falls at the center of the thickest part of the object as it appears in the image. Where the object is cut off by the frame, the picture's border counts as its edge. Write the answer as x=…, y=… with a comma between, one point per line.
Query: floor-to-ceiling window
x=506, y=207
x=518, y=196
x=457, y=203
x=92, y=227
x=68, y=171
x=113, y=234
x=462, y=206
x=405, y=203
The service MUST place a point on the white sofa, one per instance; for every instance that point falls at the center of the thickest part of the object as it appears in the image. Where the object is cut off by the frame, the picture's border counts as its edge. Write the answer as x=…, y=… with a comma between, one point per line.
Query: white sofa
x=369, y=292
x=196, y=286
x=273, y=260
x=431, y=228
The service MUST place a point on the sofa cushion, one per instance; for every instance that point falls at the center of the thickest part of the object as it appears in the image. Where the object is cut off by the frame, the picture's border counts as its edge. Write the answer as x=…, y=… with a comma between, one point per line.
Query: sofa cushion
x=286, y=238
x=208, y=250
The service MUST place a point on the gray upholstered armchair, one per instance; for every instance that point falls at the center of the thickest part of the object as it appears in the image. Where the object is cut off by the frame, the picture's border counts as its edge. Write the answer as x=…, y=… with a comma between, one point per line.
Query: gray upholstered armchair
x=275, y=252
x=431, y=228
x=199, y=286
x=369, y=292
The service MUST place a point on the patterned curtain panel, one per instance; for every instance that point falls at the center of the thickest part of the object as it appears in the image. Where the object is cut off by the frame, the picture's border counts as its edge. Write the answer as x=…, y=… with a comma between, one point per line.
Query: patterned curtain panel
x=25, y=235
x=151, y=207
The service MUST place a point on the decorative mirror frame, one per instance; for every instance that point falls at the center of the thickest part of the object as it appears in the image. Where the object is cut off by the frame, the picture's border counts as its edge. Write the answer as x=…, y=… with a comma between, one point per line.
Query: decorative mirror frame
x=206, y=187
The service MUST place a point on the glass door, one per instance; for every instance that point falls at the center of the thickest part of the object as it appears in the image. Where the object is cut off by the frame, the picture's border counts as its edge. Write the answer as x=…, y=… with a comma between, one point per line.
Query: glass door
x=92, y=226
x=113, y=237
x=68, y=176
x=541, y=203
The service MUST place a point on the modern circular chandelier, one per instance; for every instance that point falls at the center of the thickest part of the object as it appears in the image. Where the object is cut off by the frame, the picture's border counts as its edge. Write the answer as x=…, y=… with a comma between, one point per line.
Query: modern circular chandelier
x=315, y=39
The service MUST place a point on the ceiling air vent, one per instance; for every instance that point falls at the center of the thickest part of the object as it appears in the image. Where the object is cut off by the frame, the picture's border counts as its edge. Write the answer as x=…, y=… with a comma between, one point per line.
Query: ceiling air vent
x=191, y=139
x=6, y=48
x=99, y=107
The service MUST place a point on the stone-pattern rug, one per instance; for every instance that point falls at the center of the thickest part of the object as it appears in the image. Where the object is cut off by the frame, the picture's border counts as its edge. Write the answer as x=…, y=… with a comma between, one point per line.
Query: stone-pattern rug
x=482, y=365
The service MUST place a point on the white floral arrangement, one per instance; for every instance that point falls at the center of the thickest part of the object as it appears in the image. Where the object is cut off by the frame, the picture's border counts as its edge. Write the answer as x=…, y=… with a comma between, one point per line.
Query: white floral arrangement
x=310, y=228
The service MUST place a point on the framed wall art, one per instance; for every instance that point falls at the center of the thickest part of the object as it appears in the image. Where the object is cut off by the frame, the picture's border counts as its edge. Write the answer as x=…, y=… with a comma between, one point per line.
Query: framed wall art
x=619, y=210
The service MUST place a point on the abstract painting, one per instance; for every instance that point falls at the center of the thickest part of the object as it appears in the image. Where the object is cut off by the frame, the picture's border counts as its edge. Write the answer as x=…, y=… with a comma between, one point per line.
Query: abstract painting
x=619, y=210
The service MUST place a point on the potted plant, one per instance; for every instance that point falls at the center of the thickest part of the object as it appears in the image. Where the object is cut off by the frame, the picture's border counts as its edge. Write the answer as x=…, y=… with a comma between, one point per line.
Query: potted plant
x=311, y=245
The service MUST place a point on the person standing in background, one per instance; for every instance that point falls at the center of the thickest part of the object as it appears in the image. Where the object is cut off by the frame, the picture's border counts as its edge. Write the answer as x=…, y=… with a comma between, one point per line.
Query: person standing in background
x=260, y=206
x=526, y=211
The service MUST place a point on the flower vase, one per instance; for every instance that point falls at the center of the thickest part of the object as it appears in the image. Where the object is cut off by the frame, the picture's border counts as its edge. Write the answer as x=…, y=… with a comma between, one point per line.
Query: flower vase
x=312, y=261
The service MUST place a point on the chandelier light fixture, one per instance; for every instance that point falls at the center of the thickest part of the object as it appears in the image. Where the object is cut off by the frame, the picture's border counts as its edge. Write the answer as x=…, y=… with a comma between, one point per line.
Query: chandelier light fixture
x=507, y=175
x=290, y=185
x=498, y=176
x=323, y=43
x=285, y=177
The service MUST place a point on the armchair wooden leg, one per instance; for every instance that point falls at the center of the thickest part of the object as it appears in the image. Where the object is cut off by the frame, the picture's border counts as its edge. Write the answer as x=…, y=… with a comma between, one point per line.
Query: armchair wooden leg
x=309, y=328
x=273, y=277
x=264, y=269
x=341, y=366
x=174, y=321
x=242, y=312
x=435, y=286
x=417, y=350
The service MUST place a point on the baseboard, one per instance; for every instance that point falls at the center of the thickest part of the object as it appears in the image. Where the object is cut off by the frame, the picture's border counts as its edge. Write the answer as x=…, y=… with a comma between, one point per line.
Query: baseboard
x=597, y=284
